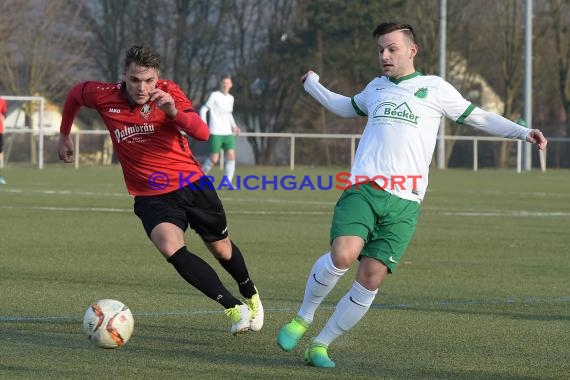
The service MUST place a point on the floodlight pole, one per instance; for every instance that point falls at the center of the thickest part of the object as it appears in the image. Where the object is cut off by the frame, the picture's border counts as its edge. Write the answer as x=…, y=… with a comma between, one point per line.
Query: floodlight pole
x=527, y=152
x=442, y=72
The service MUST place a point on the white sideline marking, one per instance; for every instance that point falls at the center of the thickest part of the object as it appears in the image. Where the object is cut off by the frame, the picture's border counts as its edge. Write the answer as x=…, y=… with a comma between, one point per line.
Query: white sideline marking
x=222, y=192
x=261, y=212
x=442, y=303
x=105, y=209
x=76, y=209
x=434, y=211
x=519, y=213
x=64, y=192
x=277, y=201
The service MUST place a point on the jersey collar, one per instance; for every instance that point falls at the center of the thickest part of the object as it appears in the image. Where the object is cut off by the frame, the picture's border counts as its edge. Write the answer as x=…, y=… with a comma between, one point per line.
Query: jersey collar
x=405, y=77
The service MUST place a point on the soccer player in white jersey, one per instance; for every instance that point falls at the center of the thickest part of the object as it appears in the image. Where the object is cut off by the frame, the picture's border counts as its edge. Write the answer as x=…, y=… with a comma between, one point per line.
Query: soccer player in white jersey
x=223, y=128
x=375, y=218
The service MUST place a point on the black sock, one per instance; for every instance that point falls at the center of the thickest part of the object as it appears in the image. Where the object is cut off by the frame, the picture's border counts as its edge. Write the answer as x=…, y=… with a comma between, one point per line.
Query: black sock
x=202, y=276
x=238, y=270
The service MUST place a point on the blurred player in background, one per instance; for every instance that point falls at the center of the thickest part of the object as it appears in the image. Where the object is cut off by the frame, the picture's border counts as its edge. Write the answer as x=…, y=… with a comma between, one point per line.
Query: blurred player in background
x=145, y=116
x=373, y=222
x=219, y=110
x=3, y=110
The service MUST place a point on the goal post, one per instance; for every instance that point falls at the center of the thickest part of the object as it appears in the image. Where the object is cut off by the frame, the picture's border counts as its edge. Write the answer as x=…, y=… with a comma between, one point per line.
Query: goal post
x=34, y=115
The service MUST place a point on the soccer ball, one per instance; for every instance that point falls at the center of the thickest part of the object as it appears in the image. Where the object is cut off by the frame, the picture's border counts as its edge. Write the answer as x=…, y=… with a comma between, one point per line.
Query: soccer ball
x=108, y=323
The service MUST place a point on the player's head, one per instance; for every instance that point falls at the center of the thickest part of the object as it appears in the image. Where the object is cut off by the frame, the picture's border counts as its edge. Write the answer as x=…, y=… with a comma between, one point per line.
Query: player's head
x=142, y=64
x=226, y=83
x=397, y=48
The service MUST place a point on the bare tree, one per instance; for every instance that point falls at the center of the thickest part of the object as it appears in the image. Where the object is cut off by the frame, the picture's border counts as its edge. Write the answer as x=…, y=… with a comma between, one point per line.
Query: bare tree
x=201, y=52
x=8, y=27
x=508, y=22
x=551, y=92
x=47, y=45
x=115, y=25
x=261, y=45
x=426, y=23
x=560, y=16
x=40, y=50
x=485, y=43
x=107, y=20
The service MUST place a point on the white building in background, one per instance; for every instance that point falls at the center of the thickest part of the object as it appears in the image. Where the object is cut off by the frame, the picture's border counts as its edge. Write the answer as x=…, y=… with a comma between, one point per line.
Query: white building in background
x=473, y=86
x=16, y=117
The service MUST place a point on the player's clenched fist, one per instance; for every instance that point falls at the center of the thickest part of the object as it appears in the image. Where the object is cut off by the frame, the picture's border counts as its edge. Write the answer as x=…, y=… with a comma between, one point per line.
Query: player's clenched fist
x=65, y=148
x=164, y=101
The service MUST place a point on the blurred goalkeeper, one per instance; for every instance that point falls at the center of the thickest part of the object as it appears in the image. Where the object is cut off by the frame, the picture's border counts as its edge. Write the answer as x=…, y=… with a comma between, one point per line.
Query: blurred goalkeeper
x=145, y=117
x=372, y=222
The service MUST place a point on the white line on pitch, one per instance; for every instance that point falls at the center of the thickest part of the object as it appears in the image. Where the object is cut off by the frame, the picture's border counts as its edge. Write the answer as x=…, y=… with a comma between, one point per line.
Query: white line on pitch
x=222, y=192
x=512, y=213
x=111, y=210
x=441, y=303
x=65, y=192
x=515, y=213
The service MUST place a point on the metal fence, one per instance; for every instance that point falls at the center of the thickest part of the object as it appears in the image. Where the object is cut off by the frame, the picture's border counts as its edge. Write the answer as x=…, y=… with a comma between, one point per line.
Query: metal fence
x=93, y=147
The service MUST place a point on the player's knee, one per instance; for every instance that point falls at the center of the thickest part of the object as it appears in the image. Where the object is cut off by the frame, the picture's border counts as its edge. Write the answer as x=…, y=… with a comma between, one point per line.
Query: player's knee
x=221, y=249
x=343, y=259
x=168, y=249
x=371, y=273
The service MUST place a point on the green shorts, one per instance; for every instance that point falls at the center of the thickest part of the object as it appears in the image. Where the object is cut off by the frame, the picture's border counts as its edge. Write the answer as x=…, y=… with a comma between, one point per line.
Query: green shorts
x=216, y=143
x=385, y=222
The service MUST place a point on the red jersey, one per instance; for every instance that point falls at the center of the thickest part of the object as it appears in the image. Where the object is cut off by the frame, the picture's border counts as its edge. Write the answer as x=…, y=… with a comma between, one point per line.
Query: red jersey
x=3, y=110
x=154, y=155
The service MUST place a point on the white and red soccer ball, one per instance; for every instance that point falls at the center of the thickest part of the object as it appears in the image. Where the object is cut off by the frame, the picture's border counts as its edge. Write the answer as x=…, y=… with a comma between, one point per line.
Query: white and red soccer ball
x=108, y=323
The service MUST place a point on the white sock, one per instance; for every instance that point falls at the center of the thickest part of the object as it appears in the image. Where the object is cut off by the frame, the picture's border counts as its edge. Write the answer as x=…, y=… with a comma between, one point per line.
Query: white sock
x=207, y=166
x=322, y=279
x=230, y=170
x=350, y=309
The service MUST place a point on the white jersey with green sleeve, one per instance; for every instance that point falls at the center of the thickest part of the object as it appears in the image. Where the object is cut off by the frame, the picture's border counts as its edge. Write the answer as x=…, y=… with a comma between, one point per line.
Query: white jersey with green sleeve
x=404, y=115
x=220, y=108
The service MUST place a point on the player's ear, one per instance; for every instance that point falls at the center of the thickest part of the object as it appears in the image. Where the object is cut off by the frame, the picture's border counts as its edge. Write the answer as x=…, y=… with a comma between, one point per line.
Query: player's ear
x=156, y=81
x=413, y=50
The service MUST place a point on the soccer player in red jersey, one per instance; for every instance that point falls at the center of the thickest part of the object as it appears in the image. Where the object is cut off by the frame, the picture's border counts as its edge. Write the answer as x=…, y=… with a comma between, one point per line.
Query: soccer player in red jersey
x=145, y=116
